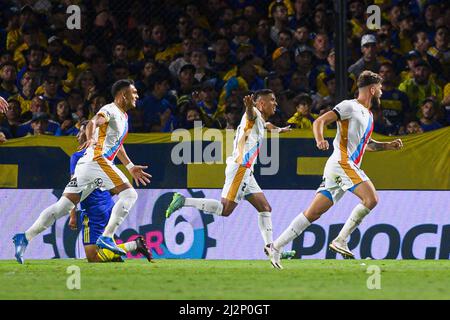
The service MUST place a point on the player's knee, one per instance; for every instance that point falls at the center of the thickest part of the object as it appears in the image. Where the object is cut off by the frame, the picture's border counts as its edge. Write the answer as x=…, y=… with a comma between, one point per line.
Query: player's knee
x=371, y=202
x=227, y=211
x=266, y=208
x=129, y=195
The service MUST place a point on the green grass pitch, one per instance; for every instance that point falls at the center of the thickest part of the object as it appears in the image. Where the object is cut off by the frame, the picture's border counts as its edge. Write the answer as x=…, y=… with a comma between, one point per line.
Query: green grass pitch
x=225, y=279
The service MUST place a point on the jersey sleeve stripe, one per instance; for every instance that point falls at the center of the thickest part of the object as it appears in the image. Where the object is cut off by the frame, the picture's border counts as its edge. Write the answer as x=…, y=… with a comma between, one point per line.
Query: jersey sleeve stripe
x=337, y=113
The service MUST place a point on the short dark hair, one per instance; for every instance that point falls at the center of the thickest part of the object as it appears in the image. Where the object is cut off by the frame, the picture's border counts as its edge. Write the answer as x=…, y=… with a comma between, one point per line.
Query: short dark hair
x=262, y=92
x=303, y=99
x=367, y=78
x=156, y=78
x=119, y=85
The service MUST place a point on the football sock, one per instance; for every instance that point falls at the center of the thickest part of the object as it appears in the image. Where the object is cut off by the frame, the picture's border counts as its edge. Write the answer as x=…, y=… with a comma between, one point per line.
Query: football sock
x=47, y=217
x=297, y=226
x=128, y=246
x=265, y=226
x=208, y=205
x=127, y=198
x=356, y=217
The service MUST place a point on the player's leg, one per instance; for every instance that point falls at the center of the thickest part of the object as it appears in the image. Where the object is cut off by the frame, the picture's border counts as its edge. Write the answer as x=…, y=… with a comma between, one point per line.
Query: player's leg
x=46, y=218
x=320, y=204
x=232, y=193
x=355, y=180
x=259, y=201
x=369, y=199
x=127, y=198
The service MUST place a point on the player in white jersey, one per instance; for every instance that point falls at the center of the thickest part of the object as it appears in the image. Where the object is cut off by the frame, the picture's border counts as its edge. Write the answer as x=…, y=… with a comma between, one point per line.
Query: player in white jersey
x=105, y=135
x=342, y=171
x=239, y=179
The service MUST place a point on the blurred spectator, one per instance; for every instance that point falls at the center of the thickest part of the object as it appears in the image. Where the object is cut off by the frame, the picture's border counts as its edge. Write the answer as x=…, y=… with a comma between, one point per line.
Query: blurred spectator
x=427, y=120
x=321, y=44
x=413, y=127
x=394, y=103
x=233, y=115
x=369, y=60
x=34, y=58
x=186, y=80
x=421, y=45
x=13, y=116
x=39, y=124
x=38, y=104
x=279, y=13
x=262, y=42
x=420, y=86
x=200, y=61
x=156, y=110
x=303, y=118
x=381, y=124
x=187, y=47
x=281, y=64
x=222, y=59
x=63, y=117
x=8, y=77
x=441, y=50
x=191, y=115
x=403, y=38
x=357, y=19
x=207, y=103
x=301, y=16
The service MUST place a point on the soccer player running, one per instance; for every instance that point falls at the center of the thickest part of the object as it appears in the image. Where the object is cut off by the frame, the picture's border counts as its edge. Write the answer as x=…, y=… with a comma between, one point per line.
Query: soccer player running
x=95, y=212
x=342, y=171
x=105, y=134
x=239, y=179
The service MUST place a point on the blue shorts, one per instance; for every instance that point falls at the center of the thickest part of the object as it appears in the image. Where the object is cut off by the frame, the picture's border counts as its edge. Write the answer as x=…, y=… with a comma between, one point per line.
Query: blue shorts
x=93, y=225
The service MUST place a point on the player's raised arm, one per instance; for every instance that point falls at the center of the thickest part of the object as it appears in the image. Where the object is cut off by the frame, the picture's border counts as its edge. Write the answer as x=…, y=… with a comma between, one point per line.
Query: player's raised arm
x=97, y=121
x=318, y=126
x=374, y=145
x=136, y=171
x=249, y=104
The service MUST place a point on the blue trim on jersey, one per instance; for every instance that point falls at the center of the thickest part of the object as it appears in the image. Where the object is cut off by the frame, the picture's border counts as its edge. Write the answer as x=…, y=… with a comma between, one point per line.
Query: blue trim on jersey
x=74, y=160
x=111, y=151
x=327, y=194
x=358, y=150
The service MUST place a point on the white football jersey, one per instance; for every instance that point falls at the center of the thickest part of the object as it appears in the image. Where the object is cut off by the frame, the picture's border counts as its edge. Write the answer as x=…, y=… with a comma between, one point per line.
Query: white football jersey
x=247, y=143
x=109, y=136
x=355, y=126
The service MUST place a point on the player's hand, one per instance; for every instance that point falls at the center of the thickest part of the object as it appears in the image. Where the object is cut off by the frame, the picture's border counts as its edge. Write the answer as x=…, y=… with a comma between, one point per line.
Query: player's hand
x=73, y=222
x=285, y=129
x=397, y=144
x=248, y=101
x=139, y=175
x=323, y=145
x=3, y=105
x=87, y=144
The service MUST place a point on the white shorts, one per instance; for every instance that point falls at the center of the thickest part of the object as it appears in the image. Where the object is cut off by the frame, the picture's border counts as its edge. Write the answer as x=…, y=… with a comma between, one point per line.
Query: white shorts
x=339, y=177
x=239, y=183
x=90, y=175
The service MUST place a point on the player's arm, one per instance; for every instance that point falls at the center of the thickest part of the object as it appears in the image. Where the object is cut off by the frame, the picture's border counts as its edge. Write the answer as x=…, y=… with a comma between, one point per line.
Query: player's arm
x=270, y=126
x=374, y=145
x=136, y=171
x=318, y=126
x=249, y=104
x=97, y=121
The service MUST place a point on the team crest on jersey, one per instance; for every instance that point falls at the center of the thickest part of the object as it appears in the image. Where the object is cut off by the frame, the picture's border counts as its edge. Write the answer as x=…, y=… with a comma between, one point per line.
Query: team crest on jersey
x=338, y=180
x=73, y=183
x=98, y=182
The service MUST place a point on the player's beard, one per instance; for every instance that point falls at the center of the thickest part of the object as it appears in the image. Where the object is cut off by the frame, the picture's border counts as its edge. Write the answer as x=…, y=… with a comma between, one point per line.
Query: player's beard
x=375, y=102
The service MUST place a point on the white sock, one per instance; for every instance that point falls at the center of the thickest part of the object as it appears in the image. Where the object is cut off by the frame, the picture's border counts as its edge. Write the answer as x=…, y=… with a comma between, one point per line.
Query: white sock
x=130, y=246
x=265, y=226
x=357, y=215
x=47, y=217
x=208, y=205
x=297, y=226
x=127, y=198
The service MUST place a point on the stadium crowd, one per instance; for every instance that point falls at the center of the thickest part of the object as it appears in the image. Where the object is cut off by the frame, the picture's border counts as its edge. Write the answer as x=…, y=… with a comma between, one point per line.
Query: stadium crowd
x=194, y=61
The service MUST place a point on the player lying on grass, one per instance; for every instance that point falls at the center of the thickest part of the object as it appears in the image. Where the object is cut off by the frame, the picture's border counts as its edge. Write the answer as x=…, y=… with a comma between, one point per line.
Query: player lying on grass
x=342, y=171
x=105, y=134
x=239, y=179
x=95, y=213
